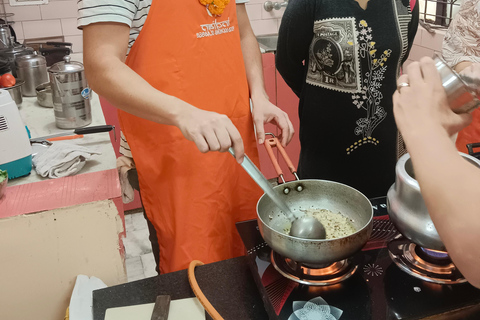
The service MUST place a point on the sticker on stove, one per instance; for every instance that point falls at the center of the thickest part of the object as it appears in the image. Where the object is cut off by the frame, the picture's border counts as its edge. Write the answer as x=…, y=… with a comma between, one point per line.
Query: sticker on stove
x=373, y=269
x=314, y=309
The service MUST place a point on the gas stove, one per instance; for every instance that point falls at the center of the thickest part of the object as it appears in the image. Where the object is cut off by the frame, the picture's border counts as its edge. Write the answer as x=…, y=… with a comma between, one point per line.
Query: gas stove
x=391, y=278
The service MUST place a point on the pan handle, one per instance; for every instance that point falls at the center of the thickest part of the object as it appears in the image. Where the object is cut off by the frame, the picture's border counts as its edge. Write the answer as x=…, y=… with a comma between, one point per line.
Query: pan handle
x=273, y=142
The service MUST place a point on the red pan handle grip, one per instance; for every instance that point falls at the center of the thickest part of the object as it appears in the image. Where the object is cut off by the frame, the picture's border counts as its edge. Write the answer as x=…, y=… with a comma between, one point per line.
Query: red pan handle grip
x=268, y=146
x=273, y=142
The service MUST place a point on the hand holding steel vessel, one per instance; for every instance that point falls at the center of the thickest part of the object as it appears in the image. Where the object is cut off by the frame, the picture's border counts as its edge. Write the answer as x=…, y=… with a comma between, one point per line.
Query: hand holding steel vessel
x=435, y=199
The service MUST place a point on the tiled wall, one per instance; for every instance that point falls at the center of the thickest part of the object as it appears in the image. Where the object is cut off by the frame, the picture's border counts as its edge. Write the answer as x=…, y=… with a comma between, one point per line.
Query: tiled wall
x=57, y=18
x=263, y=22
x=425, y=44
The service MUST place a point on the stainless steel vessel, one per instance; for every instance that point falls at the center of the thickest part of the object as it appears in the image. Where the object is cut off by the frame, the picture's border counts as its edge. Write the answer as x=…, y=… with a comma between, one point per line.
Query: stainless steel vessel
x=461, y=96
x=31, y=68
x=70, y=94
x=5, y=36
x=12, y=52
x=407, y=209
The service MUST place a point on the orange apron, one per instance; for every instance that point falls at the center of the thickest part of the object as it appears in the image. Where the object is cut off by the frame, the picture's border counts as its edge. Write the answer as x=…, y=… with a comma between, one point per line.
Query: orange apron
x=193, y=199
x=470, y=134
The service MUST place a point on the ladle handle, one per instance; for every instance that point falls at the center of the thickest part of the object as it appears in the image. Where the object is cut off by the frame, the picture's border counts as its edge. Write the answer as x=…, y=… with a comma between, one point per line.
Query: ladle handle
x=254, y=172
x=273, y=142
x=263, y=183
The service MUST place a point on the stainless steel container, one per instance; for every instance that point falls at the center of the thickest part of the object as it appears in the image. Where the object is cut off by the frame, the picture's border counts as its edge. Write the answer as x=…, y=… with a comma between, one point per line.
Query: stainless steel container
x=70, y=94
x=12, y=53
x=461, y=96
x=407, y=209
x=16, y=91
x=44, y=95
x=32, y=68
x=5, y=36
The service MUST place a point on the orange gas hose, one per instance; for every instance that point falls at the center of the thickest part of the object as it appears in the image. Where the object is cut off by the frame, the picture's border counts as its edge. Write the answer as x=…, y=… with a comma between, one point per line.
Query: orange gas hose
x=198, y=292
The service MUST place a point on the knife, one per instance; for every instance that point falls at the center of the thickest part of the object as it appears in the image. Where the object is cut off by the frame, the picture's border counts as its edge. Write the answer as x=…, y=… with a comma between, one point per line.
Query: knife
x=161, y=308
x=78, y=131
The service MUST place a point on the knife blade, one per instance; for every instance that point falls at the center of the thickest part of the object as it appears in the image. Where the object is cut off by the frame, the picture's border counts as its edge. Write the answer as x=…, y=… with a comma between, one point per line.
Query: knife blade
x=161, y=308
x=78, y=131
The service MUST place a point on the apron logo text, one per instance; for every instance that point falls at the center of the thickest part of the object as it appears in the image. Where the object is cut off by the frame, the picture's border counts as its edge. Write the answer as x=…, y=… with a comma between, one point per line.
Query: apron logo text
x=215, y=28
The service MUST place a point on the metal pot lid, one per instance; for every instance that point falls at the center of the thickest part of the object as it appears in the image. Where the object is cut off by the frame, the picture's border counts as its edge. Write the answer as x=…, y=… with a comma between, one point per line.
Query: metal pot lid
x=17, y=49
x=30, y=60
x=66, y=66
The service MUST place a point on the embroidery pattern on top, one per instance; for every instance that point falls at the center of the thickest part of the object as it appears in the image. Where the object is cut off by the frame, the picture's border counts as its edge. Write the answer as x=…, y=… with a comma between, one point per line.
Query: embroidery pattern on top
x=333, y=61
x=370, y=97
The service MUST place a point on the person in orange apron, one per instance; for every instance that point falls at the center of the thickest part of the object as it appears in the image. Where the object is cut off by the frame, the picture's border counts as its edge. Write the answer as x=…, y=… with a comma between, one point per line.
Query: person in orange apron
x=188, y=77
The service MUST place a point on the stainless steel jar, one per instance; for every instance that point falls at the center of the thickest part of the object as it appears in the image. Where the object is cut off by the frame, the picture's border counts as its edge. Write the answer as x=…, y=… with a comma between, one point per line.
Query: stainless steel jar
x=31, y=68
x=5, y=36
x=70, y=94
x=462, y=97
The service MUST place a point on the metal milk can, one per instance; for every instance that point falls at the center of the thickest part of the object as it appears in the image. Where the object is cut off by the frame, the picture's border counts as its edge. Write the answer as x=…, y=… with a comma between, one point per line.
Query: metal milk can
x=70, y=94
x=32, y=68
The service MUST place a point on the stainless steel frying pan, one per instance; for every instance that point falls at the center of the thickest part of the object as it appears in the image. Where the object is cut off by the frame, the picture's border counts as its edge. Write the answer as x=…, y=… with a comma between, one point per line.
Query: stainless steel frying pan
x=313, y=194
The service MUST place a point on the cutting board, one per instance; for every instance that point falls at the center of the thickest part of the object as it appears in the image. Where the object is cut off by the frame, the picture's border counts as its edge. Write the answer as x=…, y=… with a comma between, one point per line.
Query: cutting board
x=181, y=309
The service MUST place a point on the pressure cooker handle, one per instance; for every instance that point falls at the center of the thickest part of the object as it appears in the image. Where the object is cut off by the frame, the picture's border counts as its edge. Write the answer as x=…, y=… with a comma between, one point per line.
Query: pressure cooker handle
x=273, y=142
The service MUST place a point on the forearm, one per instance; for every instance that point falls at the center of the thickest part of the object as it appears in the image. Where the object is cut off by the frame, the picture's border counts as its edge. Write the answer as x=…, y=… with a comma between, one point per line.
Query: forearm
x=462, y=65
x=108, y=77
x=251, y=57
x=451, y=190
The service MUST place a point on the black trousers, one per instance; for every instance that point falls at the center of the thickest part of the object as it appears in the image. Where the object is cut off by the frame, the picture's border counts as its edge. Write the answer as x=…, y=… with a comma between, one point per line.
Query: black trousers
x=133, y=179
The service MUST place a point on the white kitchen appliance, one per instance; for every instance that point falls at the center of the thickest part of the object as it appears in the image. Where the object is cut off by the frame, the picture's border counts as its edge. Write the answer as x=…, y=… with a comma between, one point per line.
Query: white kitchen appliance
x=15, y=148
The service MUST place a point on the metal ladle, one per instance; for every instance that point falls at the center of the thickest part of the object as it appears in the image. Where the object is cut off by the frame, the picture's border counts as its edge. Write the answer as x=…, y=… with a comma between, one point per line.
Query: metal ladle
x=306, y=227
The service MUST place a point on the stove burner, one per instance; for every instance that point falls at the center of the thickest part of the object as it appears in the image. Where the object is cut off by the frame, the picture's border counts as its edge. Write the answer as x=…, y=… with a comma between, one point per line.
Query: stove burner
x=426, y=264
x=324, y=276
x=435, y=256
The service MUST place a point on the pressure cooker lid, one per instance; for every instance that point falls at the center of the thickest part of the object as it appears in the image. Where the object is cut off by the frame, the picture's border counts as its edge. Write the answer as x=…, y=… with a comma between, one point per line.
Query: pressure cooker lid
x=30, y=60
x=66, y=66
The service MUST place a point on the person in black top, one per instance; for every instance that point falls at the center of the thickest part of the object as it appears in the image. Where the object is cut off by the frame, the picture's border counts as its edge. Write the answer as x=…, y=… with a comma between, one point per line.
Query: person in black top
x=342, y=59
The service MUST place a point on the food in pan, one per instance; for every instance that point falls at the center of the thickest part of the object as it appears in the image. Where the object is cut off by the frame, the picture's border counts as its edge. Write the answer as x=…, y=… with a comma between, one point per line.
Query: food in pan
x=336, y=224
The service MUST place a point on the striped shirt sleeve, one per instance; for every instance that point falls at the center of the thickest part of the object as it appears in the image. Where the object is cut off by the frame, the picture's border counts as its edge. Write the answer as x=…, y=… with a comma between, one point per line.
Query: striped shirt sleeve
x=93, y=11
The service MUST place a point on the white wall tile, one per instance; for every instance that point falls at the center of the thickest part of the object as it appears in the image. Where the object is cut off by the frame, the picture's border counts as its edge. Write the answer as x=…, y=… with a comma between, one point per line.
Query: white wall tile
x=24, y=13
x=69, y=27
x=77, y=43
x=59, y=9
x=418, y=52
x=18, y=27
x=264, y=26
x=254, y=11
x=434, y=41
x=274, y=14
x=43, y=28
x=258, y=1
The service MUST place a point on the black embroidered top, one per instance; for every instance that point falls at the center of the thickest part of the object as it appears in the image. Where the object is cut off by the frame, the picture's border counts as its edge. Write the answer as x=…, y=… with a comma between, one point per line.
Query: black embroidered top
x=343, y=61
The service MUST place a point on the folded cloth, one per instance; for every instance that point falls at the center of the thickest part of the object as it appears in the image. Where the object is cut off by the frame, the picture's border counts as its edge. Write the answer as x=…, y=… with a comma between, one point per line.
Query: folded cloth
x=61, y=159
x=125, y=164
